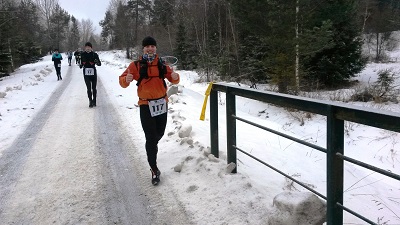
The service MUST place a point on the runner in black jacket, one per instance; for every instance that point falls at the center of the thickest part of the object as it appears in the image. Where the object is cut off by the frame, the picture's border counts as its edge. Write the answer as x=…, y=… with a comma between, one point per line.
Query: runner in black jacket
x=77, y=55
x=89, y=60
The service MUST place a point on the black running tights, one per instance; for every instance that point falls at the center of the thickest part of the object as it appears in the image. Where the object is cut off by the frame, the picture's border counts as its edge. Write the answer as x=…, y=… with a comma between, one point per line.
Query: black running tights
x=154, y=128
x=91, y=83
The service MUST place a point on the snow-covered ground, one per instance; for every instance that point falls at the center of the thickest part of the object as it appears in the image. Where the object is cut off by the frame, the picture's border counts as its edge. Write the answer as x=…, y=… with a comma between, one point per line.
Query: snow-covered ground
x=27, y=90
x=206, y=191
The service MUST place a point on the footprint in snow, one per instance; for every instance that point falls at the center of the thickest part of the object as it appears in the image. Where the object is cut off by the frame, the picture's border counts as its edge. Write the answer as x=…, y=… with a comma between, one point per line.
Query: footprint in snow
x=192, y=188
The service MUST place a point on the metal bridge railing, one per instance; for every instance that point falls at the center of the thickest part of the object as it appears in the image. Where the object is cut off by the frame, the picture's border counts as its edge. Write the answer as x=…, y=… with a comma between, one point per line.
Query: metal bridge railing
x=336, y=114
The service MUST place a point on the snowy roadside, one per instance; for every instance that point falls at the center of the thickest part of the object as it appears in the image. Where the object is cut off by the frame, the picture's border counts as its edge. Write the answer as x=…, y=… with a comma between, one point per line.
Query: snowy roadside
x=205, y=189
x=214, y=196
x=27, y=90
x=200, y=184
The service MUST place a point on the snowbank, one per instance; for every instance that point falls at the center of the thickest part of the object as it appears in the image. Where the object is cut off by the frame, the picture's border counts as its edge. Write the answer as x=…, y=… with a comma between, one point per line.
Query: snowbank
x=22, y=94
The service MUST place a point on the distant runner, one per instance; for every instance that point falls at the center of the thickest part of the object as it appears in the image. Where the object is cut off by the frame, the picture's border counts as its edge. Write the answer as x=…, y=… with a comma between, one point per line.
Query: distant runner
x=56, y=58
x=69, y=54
x=77, y=55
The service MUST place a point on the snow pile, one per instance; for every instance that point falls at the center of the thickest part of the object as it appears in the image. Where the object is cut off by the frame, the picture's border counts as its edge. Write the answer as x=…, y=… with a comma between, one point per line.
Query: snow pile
x=185, y=131
x=114, y=58
x=301, y=208
x=18, y=87
x=173, y=90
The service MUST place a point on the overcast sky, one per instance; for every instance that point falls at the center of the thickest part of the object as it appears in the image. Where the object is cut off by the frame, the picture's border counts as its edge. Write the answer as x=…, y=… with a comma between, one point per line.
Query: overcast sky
x=86, y=9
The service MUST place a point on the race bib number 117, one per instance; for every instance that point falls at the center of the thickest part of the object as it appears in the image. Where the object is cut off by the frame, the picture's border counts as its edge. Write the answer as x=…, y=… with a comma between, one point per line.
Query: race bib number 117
x=89, y=71
x=158, y=107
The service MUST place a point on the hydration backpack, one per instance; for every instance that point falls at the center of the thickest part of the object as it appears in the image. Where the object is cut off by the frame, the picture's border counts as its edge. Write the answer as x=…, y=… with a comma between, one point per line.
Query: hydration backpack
x=143, y=68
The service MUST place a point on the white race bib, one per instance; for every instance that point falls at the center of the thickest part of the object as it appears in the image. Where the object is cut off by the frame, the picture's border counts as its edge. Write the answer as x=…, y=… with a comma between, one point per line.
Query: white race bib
x=59, y=65
x=89, y=71
x=158, y=107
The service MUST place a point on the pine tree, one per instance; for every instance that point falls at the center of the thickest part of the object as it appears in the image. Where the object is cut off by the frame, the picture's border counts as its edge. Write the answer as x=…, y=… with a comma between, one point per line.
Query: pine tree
x=335, y=65
x=163, y=13
x=26, y=40
x=122, y=28
x=192, y=50
x=107, y=35
x=5, y=60
x=73, y=34
x=181, y=47
x=7, y=17
x=163, y=25
x=299, y=38
x=268, y=41
x=253, y=52
x=139, y=14
x=59, y=21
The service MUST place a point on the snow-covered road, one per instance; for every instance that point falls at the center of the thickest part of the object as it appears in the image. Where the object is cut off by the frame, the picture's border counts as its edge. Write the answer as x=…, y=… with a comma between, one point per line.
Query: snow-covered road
x=76, y=165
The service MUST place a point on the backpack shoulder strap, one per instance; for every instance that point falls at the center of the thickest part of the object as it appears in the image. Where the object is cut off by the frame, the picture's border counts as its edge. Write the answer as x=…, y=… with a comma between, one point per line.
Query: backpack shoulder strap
x=162, y=69
x=141, y=66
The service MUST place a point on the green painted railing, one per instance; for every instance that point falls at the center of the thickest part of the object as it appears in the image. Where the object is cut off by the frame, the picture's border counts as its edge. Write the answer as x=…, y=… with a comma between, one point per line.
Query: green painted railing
x=336, y=114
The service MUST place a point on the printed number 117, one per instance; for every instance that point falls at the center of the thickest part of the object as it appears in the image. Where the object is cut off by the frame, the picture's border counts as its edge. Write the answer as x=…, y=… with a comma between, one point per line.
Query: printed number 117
x=158, y=108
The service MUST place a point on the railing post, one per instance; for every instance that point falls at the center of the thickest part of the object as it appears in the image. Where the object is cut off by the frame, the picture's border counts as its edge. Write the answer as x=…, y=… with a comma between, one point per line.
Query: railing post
x=214, y=123
x=231, y=127
x=335, y=170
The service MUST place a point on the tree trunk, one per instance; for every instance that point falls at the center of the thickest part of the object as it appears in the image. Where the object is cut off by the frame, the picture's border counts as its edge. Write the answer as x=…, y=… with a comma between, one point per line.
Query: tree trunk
x=234, y=38
x=136, y=23
x=11, y=58
x=128, y=55
x=169, y=38
x=205, y=35
x=297, y=48
x=283, y=86
x=377, y=57
x=366, y=16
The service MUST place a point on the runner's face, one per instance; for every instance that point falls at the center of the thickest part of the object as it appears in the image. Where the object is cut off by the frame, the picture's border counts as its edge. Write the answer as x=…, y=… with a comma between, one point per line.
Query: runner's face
x=149, y=49
x=88, y=48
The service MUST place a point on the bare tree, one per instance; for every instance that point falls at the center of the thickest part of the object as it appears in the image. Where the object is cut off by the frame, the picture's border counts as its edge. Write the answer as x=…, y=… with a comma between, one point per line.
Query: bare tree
x=87, y=30
x=46, y=8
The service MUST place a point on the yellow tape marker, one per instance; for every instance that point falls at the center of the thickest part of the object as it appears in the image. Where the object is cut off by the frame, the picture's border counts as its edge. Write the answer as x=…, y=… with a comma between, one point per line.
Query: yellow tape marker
x=203, y=110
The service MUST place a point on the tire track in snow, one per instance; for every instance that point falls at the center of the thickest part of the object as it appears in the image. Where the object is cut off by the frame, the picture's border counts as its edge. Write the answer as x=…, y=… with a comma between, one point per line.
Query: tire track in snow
x=59, y=181
x=70, y=176
x=163, y=204
x=13, y=158
x=75, y=165
x=125, y=203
